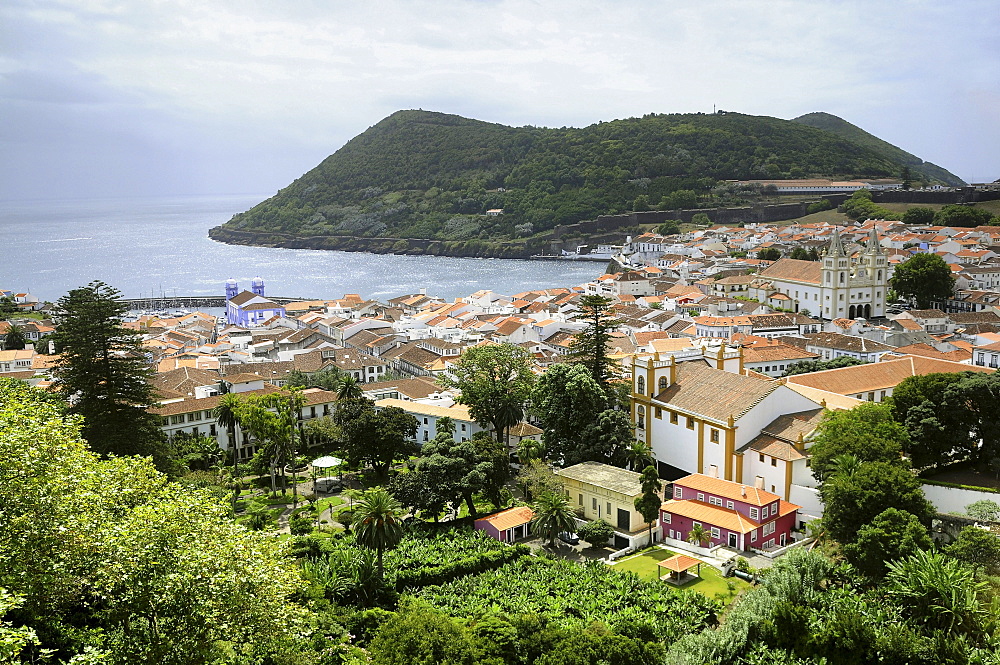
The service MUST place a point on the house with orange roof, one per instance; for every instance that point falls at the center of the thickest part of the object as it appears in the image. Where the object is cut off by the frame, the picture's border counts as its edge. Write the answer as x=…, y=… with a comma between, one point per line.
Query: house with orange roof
x=508, y=525
x=732, y=514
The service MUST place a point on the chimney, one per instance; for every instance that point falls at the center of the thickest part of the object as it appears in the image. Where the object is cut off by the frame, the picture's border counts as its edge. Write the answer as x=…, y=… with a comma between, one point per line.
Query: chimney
x=743, y=490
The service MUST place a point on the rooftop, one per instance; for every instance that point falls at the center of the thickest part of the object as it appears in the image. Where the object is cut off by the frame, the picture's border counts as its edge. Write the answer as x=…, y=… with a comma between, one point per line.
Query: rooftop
x=605, y=476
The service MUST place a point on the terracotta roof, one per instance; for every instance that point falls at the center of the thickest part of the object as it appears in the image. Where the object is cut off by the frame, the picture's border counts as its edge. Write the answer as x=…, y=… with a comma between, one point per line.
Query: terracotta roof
x=775, y=352
x=727, y=489
x=928, y=351
x=679, y=563
x=730, y=520
x=714, y=393
x=831, y=340
x=772, y=447
x=508, y=519
x=878, y=376
x=524, y=429
x=794, y=270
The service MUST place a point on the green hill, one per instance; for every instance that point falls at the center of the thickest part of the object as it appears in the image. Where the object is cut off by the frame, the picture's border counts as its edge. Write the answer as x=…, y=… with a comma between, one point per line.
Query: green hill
x=841, y=127
x=425, y=175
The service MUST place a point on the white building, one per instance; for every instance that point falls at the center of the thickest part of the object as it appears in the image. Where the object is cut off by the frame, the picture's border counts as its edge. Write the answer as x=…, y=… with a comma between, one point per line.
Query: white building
x=838, y=287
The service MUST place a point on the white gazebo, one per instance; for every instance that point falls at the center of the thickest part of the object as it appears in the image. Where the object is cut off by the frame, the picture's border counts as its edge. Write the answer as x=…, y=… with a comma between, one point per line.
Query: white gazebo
x=322, y=465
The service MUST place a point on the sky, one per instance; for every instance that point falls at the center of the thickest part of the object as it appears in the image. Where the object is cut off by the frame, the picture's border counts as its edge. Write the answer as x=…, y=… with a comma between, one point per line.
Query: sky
x=104, y=98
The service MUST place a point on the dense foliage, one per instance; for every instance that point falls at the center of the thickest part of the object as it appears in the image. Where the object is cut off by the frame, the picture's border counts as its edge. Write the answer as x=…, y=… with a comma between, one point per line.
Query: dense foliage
x=924, y=277
x=568, y=594
x=419, y=174
x=110, y=558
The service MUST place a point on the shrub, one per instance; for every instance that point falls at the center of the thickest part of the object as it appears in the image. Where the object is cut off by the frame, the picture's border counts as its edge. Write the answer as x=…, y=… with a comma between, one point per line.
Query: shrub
x=301, y=524
x=597, y=533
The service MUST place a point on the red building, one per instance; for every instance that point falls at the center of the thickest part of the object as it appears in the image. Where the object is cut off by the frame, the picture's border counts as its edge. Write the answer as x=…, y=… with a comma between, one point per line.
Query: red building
x=732, y=514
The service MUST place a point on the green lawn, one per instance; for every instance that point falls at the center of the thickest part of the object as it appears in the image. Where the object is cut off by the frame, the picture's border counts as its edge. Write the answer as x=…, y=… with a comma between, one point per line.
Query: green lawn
x=711, y=584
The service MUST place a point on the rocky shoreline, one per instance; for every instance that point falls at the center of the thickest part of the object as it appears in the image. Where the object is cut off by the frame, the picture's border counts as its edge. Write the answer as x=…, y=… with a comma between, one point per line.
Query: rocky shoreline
x=410, y=246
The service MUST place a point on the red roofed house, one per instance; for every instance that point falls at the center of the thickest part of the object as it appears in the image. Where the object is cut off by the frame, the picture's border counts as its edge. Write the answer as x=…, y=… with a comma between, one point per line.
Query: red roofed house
x=507, y=525
x=732, y=514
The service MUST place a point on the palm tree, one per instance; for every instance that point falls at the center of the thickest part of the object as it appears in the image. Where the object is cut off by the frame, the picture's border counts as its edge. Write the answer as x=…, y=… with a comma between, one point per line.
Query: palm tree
x=697, y=535
x=844, y=465
x=508, y=415
x=639, y=455
x=227, y=415
x=377, y=522
x=349, y=388
x=553, y=515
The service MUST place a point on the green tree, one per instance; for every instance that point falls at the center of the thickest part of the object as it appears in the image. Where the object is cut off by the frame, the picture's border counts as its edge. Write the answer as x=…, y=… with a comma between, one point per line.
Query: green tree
x=962, y=216
x=698, y=535
x=867, y=431
x=641, y=203
x=536, y=478
x=809, y=366
x=495, y=382
x=109, y=555
x=769, y=254
x=272, y=419
x=590, y=346
x=8, y=306
x=892, y=535
x=669, y=227
x=852, y=501
x=14, y=340
x=701, y=219
x=638, y=455
x=349, y=388
x=649, y=502
x=920, y=216
x=597, y=532
x=377, y=523
x=226, y=414
x=420, y=635
x=553, y=515
x=452, y=469
x=984, y=510
x=103, y=373
x=907, y=181
x=567, y=401
x=924, y=277
x=376, y=438
x=940, y=593
x=800, y=254
x=977, y=547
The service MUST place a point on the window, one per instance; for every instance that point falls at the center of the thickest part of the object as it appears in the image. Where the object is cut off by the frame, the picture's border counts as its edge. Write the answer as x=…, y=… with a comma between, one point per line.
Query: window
x=425, y=421
x=701, y=497
x=659, y=413
x=774, y=461
x=769, y=528
x=673, y=417
x=690, y=423
x=871, y=397
x=593, y=503
x=663, y=383
x=715, y=532
x=753, y=536
x=695, y=524
x=761, y=457
x=192, y=417
x=609, y=508
x=754, y=514
x=678, y=493
x=666, y=518
x=463, y=428
x=714, y=436
x=641, y=385
x=212, y=431
x=581, y=499
x=730, y=505
x=715, y=501
x=641, y=413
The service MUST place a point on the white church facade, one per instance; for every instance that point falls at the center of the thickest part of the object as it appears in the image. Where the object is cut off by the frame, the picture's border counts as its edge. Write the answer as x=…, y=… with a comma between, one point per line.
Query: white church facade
x=838, y=287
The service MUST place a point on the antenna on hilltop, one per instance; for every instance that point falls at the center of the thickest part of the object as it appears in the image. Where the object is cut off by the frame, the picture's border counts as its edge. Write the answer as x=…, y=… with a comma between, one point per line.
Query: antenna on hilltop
x=713, y=109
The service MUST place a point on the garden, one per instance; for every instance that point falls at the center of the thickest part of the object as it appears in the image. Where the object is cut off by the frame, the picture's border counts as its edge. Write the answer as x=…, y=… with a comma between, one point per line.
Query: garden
x=711, y=584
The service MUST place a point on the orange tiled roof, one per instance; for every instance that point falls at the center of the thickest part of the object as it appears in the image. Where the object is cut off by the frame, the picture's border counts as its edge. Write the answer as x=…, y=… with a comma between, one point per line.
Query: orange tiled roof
x=508, y=519
x=727, y=489
x=699, y=511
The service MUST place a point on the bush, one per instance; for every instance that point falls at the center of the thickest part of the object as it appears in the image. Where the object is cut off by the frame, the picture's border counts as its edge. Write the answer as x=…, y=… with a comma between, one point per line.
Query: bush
x=259, y=516
x=597, y=533
x=469, y=565
x=301, y=524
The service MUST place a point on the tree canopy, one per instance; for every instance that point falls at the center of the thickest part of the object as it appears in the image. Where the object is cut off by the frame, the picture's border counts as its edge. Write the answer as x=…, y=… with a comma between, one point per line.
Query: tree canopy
x=103, y=373
x=924, y=277
x=495, y=382
x=590, y=346
x=867, y=432
x=378, y=438
x=109, y=555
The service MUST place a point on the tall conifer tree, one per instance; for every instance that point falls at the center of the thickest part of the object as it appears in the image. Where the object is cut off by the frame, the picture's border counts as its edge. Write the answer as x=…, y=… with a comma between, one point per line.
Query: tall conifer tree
x=103, y=373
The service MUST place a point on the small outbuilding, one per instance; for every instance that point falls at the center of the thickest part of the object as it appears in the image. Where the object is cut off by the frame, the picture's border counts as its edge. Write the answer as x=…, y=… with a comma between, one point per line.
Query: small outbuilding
x=677, y=568
x=508, y=525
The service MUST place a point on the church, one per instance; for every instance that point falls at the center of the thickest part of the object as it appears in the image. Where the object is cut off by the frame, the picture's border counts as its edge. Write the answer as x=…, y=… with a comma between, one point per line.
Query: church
x=249, y=308
x=839, y=287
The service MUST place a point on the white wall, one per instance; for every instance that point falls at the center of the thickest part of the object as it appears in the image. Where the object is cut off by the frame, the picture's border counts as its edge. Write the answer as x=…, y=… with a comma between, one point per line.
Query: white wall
x=954, y=499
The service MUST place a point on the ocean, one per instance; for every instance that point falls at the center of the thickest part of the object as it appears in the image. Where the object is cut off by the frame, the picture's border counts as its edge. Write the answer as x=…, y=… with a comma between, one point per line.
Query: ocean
x=160, y=246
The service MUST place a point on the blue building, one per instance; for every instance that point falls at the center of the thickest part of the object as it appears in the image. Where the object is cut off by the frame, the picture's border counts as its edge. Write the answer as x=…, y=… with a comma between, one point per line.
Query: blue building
x=249, y=308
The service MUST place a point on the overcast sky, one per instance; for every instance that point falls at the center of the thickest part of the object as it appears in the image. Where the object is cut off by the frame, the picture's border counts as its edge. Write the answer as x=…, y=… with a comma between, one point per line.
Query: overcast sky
x=102, y=98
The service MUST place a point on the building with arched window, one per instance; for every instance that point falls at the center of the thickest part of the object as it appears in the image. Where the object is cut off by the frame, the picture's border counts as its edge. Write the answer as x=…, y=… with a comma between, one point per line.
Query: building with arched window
x=839, y=287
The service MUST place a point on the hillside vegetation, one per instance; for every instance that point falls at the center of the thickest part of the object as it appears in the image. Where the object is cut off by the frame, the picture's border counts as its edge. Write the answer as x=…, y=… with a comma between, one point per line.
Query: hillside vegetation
x=419, y=174
x=918, y=167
